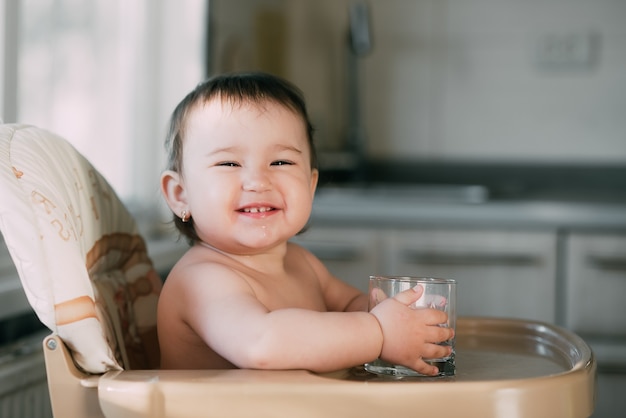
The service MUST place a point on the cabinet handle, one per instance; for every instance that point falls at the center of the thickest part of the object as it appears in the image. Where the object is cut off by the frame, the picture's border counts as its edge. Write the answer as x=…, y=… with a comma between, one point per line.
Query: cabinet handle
x=512, y=259
x=607, y=263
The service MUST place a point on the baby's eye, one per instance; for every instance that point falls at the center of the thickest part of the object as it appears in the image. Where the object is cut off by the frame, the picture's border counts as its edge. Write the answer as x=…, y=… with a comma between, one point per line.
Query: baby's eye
x=282, y=162
x=227, y=164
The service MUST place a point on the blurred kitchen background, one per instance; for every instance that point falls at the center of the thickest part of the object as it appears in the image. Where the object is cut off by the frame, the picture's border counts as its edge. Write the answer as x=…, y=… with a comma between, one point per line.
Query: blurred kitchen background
x=483, y=140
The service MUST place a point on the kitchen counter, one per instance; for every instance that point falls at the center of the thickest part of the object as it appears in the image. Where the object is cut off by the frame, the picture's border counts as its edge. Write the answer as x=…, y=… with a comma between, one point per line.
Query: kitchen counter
x=347, y=206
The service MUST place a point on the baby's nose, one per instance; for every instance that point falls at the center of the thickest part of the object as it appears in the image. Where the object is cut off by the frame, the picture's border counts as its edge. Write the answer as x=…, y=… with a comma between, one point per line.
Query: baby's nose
x=256, y=181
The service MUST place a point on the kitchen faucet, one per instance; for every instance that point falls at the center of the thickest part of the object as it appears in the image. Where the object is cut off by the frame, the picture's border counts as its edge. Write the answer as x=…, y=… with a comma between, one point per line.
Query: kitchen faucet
x=360, y=44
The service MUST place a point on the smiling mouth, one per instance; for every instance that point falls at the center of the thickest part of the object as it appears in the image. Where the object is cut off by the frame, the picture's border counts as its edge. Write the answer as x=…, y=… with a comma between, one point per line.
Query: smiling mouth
x=257, y=210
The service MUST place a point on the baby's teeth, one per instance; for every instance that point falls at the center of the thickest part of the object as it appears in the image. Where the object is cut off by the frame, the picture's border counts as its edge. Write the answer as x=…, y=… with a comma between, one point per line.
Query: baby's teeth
x=255, y=210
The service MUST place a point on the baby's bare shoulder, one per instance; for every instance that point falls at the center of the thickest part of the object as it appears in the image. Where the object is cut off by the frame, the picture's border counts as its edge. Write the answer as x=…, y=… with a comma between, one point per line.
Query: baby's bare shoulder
x=197, y=275
x=296, y=251
x=305, y=259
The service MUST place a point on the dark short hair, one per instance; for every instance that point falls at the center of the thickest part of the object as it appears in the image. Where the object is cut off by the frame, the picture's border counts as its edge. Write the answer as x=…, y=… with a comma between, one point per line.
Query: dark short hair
x=235, y=88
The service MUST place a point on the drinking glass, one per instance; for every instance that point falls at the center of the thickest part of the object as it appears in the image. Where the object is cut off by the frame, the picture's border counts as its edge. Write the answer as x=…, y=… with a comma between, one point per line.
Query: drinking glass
x=438, y=294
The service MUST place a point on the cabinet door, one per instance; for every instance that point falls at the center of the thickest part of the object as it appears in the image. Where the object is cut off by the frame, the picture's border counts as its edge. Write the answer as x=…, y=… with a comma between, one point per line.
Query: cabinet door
x=351, y=254
x=595, y=304
x=498, y=272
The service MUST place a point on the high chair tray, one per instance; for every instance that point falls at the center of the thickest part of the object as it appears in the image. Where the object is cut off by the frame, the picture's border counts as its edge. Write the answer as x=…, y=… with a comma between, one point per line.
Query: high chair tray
x=504, y=368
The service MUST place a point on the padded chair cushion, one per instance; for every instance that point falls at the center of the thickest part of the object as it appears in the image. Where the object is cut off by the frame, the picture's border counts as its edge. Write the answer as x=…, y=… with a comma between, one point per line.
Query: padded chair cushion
x=83, y=266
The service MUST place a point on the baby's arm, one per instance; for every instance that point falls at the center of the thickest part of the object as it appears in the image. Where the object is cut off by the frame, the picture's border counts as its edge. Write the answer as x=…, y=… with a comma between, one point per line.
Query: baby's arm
x=232, y=321
x=409, y=336
x=227, y=315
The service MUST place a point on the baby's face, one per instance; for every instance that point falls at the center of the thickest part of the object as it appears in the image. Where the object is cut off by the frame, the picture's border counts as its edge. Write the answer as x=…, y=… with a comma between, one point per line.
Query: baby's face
x=247, y=175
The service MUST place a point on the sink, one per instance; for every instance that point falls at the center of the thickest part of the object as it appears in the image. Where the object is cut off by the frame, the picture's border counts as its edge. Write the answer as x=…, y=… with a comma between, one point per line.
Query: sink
x=450, y=193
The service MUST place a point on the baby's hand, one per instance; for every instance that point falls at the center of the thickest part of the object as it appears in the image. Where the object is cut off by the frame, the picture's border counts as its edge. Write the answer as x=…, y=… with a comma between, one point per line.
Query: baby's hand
x=409, y=335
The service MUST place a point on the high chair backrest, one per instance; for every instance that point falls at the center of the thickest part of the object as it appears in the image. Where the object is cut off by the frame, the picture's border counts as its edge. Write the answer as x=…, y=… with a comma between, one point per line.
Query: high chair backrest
x=81, y=260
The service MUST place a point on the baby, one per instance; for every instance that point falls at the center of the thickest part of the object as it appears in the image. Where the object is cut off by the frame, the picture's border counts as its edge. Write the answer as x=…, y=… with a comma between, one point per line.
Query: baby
x=241, y=181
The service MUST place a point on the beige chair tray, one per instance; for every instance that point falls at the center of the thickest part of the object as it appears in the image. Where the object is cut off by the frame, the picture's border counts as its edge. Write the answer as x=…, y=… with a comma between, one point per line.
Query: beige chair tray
x=504, y=368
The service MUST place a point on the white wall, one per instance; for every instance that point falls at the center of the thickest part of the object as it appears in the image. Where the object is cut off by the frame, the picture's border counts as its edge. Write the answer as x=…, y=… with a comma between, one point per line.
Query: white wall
x=521, y=80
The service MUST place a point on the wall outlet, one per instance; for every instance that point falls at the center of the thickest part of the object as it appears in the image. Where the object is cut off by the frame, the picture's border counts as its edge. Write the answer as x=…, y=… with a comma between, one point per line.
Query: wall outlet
x=570, y=50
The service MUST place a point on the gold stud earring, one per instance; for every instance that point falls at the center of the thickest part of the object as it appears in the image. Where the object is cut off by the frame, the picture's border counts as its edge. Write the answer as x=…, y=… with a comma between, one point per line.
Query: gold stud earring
x=184, y=216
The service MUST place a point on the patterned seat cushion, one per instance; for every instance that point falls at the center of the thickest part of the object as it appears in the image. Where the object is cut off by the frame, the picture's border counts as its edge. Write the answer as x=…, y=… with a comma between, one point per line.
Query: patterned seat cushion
x=82, y=263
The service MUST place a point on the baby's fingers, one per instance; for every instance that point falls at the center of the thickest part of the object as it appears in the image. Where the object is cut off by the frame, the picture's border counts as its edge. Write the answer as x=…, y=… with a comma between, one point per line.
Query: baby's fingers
x=431, y=351
x=437, y=334
x=424, y=368
x=409, y=296
x=431, y=316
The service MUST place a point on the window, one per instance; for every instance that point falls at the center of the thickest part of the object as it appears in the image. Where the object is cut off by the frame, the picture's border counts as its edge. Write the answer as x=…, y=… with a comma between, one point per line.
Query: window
x=106, y=75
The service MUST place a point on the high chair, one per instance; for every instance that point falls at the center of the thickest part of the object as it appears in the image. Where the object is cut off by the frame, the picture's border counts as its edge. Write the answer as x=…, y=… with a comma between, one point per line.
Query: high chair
x=86, y=272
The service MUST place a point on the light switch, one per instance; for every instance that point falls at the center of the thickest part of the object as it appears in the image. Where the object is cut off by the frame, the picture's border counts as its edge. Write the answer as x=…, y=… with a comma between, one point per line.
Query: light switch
x=569, y=50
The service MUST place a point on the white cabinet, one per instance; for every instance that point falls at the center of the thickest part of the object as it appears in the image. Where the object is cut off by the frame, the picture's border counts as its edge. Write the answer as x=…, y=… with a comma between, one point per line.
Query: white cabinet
x=503, y=273
x=595, y=303
x=506, y=273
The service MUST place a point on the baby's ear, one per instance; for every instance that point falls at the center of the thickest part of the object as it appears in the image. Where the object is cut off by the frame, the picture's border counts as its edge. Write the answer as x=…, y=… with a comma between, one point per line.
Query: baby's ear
x=173, y=191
